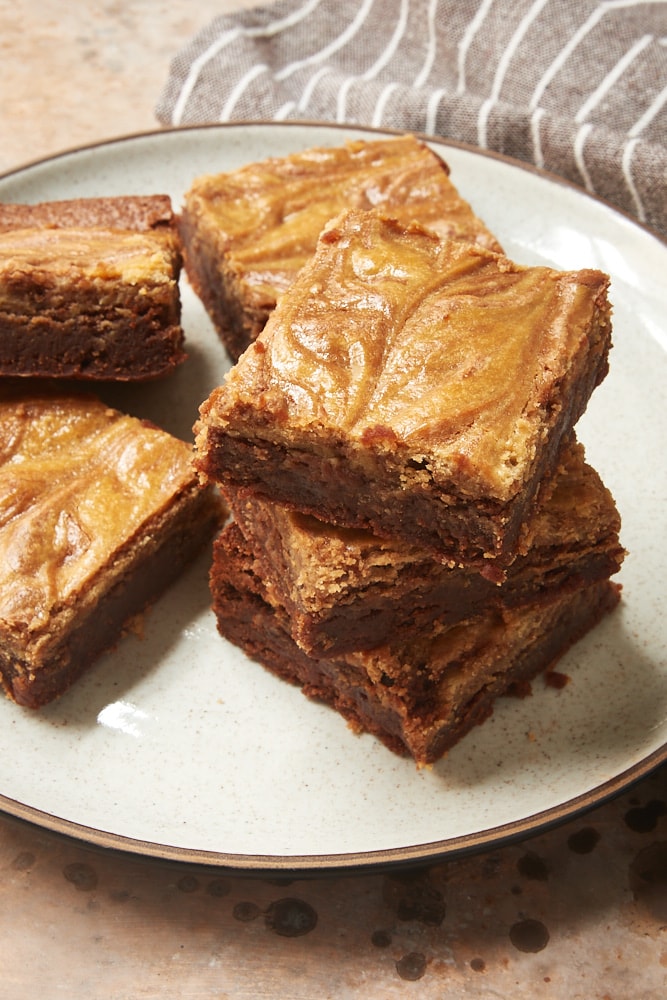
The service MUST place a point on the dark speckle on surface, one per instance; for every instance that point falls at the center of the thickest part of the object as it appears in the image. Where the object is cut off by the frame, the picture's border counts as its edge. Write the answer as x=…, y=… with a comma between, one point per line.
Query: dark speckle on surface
x=529, y=935
x=381, y=939
x=245, y=912
x=188, y=883
x=644, y=819
x=533, y=867
x=477, y=964
x=23, y=861
x=583, y=841
x=82, y=876
x=412, y=966
x=291, y=917
x=219, y=887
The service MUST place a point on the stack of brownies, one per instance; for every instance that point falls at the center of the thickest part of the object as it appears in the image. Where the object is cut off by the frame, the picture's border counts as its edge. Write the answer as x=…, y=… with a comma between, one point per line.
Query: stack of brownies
x=416, y=530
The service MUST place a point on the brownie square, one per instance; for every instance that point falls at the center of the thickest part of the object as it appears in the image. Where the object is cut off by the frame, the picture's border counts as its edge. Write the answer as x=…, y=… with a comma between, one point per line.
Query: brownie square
x=89, y=289
x=246, y=233
x=99, y=513
x=415, y=387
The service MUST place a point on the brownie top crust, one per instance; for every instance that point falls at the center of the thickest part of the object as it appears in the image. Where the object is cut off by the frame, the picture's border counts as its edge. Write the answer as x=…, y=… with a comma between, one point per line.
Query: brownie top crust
x=267, y=216
x=130, y=239
x=139, y=213
x=93, y=255
x=78, y=480
x=444, y=358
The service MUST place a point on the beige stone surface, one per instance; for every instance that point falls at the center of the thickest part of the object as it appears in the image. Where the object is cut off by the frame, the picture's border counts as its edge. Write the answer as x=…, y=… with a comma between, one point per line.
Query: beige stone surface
x=577, y=913
x=74, y=73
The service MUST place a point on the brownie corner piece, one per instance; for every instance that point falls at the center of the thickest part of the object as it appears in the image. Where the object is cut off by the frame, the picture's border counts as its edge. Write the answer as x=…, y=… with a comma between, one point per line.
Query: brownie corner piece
x=99, y=513
x=89, y=289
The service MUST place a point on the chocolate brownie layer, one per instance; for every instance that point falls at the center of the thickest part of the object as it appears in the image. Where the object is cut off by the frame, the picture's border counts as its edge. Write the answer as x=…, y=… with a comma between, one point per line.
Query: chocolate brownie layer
x=135, y=213
x=345, y=589
x=418, y=697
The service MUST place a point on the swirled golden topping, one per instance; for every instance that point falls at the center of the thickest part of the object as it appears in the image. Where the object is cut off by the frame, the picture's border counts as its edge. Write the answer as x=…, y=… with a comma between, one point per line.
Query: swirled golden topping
x=398, y=341
x=267, y=215
x=69, y=255
x=77, y=483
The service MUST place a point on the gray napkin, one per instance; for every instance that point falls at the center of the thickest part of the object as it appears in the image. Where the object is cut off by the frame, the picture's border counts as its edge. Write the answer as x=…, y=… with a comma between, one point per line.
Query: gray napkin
x=578, y=87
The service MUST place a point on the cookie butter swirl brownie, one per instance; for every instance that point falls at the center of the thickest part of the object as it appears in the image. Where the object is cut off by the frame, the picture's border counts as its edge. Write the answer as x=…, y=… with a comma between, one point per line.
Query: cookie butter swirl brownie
x=246, y=233
x=416, y=387
x=345, y=589
x=89, y=289
x=99, y=513
x=419, y=694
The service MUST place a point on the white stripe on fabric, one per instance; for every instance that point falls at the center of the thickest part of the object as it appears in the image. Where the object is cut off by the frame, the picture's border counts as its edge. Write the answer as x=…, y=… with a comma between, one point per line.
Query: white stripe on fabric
x=466, y=42
x=614, y=74
x=536, y=134
x=626, y=165
x=503, y=65
x=332, y=47
x=239, y=87
x=382, y=103
x=283, y=111
x=629, y=149
x=652, y=110
x=342, y=97
x=579, y=35
x=379, y=63
x=195, y=69
x=432, y=110
x=310, y=86
x=425, y=71
x=226, y=39
x=393, y=44
x=579, y=144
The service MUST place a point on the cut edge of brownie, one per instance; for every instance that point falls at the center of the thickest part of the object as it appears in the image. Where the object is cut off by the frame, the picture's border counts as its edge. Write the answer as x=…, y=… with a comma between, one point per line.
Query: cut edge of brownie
x=348, y=590
x=425, y=722
x=138, y=213
x=236, y=323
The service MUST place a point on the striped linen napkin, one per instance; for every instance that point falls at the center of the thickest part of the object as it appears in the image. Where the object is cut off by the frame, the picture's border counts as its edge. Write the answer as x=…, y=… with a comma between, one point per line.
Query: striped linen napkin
x=578, y=87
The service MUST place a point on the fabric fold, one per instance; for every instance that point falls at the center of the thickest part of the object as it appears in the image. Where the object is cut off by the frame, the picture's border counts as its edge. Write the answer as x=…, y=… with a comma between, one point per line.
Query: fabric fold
x=576, y=88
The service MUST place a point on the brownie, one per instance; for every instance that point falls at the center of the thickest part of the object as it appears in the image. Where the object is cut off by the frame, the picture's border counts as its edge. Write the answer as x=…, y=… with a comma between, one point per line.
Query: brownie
x=89, y=289
x=421, y=695
x=99, y=513
x=345, y=589
x=246, y=233
x=415, y=387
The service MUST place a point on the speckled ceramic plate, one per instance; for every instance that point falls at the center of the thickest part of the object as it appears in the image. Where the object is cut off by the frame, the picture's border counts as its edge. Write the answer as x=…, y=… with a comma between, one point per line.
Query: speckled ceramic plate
x=176, y=745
